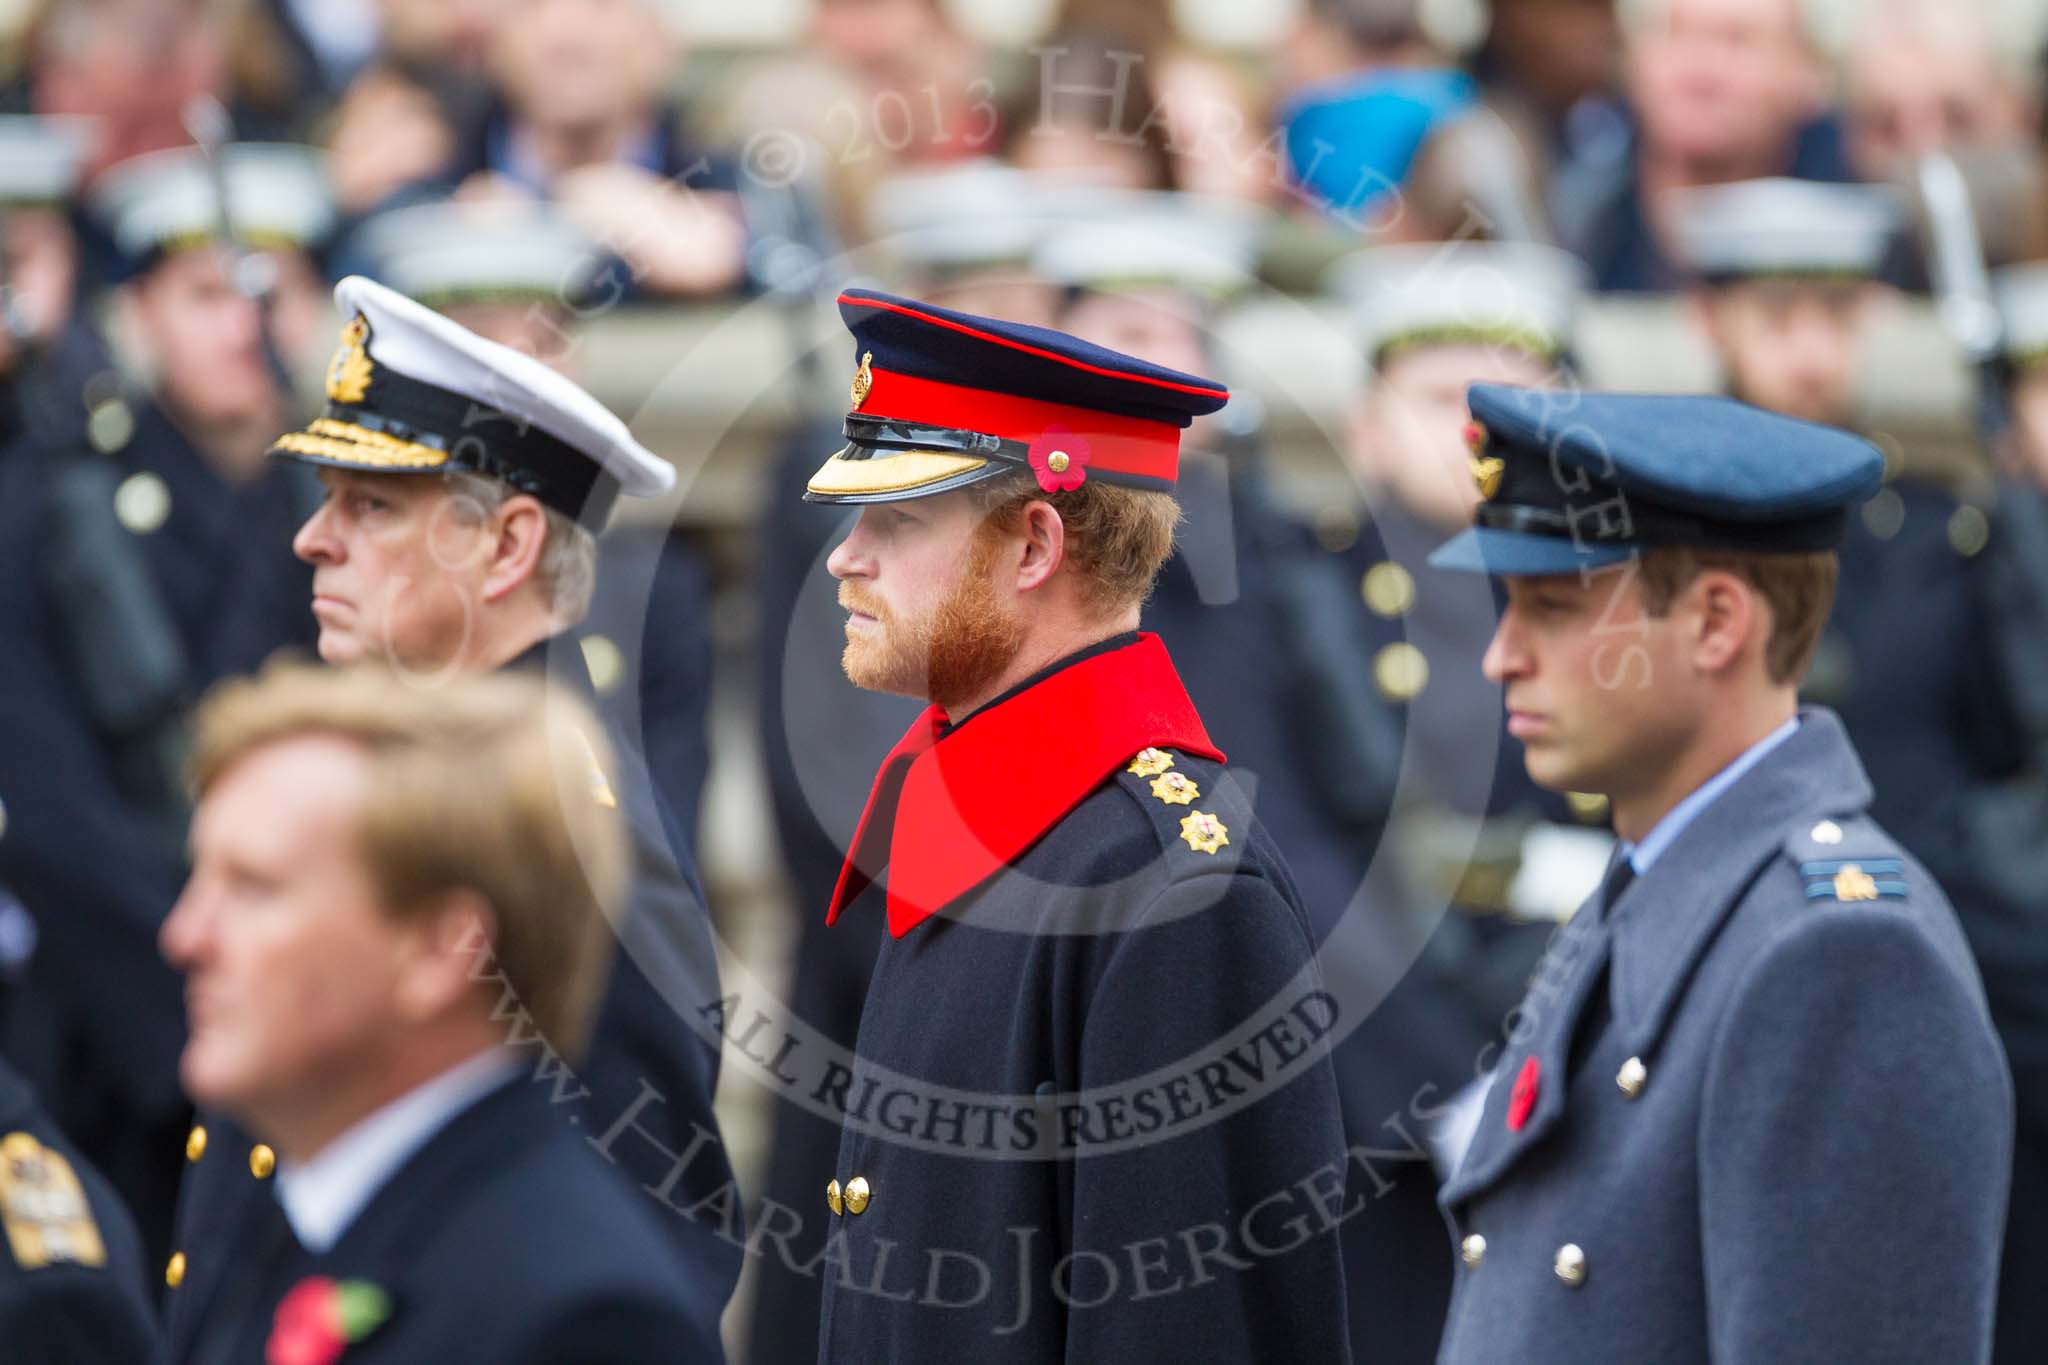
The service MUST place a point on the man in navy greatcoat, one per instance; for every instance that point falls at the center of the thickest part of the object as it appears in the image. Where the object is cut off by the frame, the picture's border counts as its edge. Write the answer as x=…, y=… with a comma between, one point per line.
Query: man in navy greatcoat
x=463, y=479
x=1090, y=1114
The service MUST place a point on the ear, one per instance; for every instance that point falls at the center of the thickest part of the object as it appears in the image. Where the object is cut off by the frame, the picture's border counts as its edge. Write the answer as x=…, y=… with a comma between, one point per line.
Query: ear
x=1044, y=544
x=1729, y=618
x=517, y=533
x=1362, y=435
x=439, y=957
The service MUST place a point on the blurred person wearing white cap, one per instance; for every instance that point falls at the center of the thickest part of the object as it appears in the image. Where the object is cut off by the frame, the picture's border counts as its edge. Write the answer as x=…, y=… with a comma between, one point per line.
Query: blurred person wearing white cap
x=1472, y=833
x=145, y=544
x=1259, y=621
x=464, y=482
x=45, y=348
x=1788, y=285
x=2008, y=828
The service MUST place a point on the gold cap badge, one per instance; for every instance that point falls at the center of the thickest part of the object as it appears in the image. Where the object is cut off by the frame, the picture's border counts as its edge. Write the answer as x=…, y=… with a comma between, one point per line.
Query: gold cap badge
x=348, y=374
x=863, y=380
x=1486, y=472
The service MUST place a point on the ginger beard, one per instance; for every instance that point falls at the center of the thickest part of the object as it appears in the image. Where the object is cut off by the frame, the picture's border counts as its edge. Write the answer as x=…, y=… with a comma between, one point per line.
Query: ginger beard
x=947, y=654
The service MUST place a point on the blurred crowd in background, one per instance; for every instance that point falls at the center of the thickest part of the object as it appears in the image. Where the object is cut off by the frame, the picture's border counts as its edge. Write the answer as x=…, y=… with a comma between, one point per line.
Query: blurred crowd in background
x=1346, y=209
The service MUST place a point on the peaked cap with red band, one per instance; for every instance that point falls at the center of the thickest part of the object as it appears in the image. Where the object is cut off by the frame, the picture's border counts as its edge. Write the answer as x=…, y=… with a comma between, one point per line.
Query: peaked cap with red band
x=943, y=828
x=942, y=399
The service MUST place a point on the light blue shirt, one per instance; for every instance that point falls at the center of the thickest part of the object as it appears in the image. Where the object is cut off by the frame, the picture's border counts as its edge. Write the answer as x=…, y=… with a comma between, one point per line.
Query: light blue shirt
x=1666, y=831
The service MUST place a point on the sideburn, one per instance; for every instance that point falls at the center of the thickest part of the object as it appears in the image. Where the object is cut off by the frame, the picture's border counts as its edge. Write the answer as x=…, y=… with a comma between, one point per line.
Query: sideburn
x=971, y=640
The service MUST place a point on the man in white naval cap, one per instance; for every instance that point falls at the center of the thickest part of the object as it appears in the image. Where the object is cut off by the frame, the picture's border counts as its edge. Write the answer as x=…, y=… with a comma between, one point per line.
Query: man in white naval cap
x=525, y=275
x=463, y=480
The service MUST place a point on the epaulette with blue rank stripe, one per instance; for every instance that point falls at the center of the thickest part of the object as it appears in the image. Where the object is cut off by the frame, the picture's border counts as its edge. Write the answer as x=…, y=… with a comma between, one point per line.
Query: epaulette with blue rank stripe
x=1850, y=859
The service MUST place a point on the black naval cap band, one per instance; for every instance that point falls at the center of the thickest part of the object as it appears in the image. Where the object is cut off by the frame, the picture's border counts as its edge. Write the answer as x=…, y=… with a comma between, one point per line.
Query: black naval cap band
x=1609, y=517
x=484, y=439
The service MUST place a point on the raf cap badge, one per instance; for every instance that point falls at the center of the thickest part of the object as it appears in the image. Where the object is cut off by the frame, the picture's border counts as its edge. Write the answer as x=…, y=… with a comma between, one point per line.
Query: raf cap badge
x=1486, y=469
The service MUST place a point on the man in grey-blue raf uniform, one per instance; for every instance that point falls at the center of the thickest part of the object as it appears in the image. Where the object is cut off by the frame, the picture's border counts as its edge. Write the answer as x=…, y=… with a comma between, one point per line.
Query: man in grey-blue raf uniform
x=1752, y=1108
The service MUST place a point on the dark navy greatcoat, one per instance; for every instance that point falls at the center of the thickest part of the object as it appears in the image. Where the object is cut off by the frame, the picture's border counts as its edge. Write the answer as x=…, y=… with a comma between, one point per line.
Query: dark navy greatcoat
x=1088, y=1120
x=642, y=1094
x=502, y=1239
x=1755, y=1112
x=69, y=1309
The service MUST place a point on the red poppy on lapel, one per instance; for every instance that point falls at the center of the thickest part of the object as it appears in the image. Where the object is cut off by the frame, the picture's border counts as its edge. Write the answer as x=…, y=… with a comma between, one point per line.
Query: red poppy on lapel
x=1522, y=1098
x=319, y=1318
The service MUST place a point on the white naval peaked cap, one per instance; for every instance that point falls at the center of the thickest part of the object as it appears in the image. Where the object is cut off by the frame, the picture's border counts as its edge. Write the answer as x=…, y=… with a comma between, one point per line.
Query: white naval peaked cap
x=410, y=390
x=1780, y=227
x=277, y=195
x=1139, y=239
x=1519, y=294
x=446, y=251
x=2022, y=295
x=41, y=157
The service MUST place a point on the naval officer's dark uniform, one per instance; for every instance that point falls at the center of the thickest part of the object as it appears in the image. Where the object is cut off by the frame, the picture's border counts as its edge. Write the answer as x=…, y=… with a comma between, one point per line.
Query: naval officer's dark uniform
x=1088, y=1117
x=1754, y=1109
x=642, y=1097
x=73, y=1290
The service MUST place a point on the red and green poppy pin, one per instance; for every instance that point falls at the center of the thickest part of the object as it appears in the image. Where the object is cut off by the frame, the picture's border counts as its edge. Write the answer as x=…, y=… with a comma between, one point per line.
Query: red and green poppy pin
x=322, y=1317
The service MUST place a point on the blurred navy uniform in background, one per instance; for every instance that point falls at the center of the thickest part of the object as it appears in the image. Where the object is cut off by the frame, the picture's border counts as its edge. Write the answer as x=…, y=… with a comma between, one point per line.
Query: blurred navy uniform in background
x=1757, y=1110
x=2008, y=835
x=1785, y=271
x=73, y=1290
x=47, y=351
x=1077, y=897
x=472, y=408
x=144, y=561
x=1471, y=831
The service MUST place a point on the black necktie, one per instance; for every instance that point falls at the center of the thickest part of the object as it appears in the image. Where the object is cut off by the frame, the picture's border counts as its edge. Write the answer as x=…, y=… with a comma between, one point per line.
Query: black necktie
x=1619, y=874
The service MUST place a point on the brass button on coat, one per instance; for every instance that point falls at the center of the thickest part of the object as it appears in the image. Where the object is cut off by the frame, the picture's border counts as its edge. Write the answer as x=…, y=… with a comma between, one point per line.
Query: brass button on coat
x=174, y=1273
x=832, y=1201
x=262, y=1161
x=1473, y=1249
x=195, y=1142
x=1632, y=1076
x=858, y=1195
x=1571, y=1264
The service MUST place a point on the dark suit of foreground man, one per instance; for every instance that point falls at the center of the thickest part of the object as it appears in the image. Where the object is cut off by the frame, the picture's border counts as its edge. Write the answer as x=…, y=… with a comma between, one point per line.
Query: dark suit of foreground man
x=1755, y=1110
x=382, y=872
x=462, y=479
x=1088, y=1118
